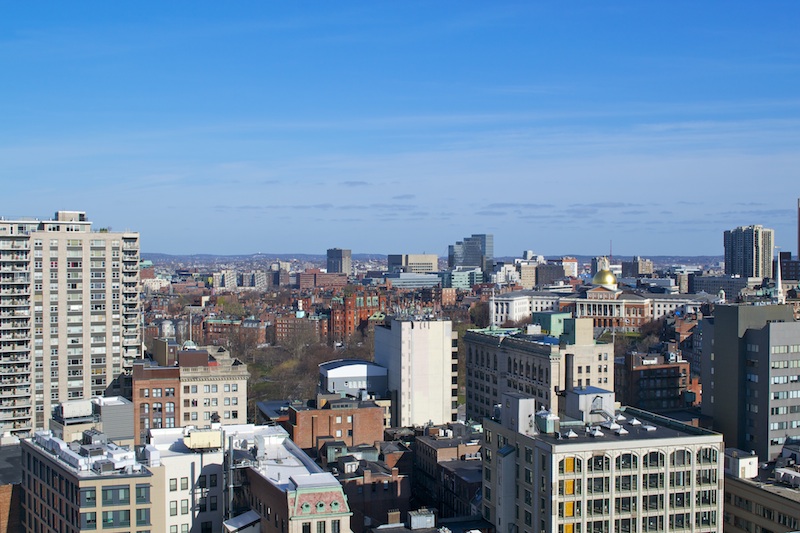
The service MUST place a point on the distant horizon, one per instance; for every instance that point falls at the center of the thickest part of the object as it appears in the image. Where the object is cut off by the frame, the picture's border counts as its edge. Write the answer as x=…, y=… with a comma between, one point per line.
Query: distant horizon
x=373, y=254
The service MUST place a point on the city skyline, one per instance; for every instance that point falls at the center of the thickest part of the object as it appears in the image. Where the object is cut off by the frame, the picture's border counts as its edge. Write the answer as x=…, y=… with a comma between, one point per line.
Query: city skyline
x=555, y=129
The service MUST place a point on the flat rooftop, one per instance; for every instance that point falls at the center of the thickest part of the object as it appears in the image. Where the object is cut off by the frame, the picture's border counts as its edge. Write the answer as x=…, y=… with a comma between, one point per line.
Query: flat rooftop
x=629, y=425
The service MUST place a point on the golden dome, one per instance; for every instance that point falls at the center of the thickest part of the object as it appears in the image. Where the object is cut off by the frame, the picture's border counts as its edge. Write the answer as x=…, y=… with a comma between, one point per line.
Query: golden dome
x=605, y=278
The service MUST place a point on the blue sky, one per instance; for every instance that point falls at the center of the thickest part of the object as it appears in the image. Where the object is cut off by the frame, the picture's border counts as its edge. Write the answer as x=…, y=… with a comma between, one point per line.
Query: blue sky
x=393, y=127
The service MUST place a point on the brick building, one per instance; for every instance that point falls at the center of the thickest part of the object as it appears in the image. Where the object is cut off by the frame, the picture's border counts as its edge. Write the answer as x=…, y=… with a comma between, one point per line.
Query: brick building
x=444, y=445
x=190, y=386
x=656, y=383
x=351, y=313
x=373, y=491
x=350, y=421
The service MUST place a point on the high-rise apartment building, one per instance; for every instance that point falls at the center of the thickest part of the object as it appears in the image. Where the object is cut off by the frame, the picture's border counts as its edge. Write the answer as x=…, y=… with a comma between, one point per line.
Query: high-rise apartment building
x=340, y=261
x=69, y=314
x=637, y=267
x=751, y=376
x=474, y=251
x=421, y=356
x=748, y=251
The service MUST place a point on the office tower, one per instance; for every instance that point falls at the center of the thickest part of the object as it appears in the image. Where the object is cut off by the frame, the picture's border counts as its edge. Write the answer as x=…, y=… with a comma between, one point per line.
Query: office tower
x=414, y=263
x=421, y=356
x=748, y=251
x=637, y=267
x=598, y=469
x=339, y=261
x=502, y=360
x=475, y=251
x=600, y=263
x=69, y=314
x=750, y=361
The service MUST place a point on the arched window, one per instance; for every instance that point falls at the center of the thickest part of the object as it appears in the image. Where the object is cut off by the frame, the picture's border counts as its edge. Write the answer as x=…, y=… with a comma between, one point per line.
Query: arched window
x=680, y=458
x=654, y=459
x=707, y=456
x=627, y=461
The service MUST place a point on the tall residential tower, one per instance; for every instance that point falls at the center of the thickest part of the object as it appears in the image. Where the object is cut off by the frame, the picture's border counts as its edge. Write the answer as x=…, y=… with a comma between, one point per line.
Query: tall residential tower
x=748, y=251
x=69, y=314
x=339, y=261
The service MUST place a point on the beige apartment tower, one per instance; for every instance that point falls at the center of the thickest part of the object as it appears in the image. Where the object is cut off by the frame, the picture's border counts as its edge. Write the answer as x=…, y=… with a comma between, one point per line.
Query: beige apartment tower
x=69, y=314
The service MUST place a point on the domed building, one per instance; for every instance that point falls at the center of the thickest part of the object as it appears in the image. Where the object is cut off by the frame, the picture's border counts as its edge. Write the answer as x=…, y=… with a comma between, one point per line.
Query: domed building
x=605, y=278
x=608, y=305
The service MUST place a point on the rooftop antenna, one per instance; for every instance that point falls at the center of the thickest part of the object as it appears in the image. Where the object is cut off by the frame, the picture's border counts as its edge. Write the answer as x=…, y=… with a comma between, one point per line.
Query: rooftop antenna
x=610, y=252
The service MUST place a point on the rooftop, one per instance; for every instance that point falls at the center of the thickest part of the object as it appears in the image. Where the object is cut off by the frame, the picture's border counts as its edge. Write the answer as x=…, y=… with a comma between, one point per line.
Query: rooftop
x=91, y=458
x=628, y=425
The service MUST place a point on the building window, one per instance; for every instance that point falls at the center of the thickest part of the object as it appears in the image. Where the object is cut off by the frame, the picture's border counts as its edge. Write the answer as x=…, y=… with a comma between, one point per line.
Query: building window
x=89, y=520
x=184, y=506
x=142, y=493
x=142, y=517
x=321, y=526
x=173, y=484
x=306, y=527
x=184, y=483
x=173, y=508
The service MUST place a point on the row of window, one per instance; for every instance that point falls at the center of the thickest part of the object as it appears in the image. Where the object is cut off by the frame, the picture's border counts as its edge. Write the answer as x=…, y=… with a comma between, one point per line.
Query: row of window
x=145, y=393
x=114, y=495
x=203, y=481
x=204, y=504
x=702, y=519
x=652, y=459
x=111, y=519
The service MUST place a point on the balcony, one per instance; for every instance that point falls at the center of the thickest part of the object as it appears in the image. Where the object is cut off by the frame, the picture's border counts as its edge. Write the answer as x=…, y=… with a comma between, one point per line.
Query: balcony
x=15, y=359
x=13, y=324
x=11, y=245
x=14, y=292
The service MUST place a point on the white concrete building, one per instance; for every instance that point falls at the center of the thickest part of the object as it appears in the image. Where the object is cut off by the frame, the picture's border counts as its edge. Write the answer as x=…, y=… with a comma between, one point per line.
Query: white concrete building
x=188, y=478
x=599, y=469
x=421, y=356
x=520, y=305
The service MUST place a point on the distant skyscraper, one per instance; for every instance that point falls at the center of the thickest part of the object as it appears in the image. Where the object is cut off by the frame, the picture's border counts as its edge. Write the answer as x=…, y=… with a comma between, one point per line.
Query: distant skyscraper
x=415, y=263
x=748, y=251
x=69, y=314
x=475, y=251
x=339, y=261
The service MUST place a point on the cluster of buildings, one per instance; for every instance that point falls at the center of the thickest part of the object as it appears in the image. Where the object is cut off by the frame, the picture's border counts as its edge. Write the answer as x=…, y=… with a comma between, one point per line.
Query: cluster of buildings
x=555, y=431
